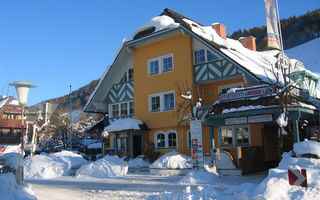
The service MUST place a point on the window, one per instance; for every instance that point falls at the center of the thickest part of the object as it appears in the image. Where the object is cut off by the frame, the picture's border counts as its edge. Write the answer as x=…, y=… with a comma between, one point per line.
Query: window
x=188, y=139
x=122, y=144
x=202, y=56
x=226, y=136
x=172, y=140
x=234, y=136
x=131, y=108
x=160, y=65
x=211, y=56
x=167, y=64
x=169, y=101
x=128, y=76
x=242, y=135
x=154, y=67
x=166, y=140
x=224, y=89
x=162, y=102
x=122, y=109
x=155, y=104
x=161, y=141
x=115, y=110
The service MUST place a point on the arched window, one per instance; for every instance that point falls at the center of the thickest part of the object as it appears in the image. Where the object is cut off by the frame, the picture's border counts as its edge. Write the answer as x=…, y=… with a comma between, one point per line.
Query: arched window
x=172, y=140
x=160, y=140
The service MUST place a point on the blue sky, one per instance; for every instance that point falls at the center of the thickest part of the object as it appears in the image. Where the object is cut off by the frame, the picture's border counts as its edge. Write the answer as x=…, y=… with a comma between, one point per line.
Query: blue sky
x=57, y=43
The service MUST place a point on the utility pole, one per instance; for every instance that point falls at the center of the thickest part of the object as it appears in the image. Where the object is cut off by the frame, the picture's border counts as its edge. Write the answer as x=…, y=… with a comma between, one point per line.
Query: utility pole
x=70, y=119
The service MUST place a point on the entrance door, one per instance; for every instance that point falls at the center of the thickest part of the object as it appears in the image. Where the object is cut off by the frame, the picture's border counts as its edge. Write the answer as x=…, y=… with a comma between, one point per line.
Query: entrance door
x=136, y=145
x=270, y=142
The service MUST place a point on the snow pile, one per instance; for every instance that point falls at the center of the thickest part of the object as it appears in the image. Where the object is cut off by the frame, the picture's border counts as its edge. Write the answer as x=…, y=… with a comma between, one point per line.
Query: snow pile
x=106, y=167
x=124, y=124
x=202, y=176
x=307, y=147
x=172, y=160
x=276, y=185
x=97, y=145
x=54, y=165
x=138, y=162
x=9, y=189
x=12, y=160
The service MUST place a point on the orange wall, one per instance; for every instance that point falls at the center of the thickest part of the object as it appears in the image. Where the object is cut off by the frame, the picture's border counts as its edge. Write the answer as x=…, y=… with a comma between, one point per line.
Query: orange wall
x=210, y=91
x=144, y=85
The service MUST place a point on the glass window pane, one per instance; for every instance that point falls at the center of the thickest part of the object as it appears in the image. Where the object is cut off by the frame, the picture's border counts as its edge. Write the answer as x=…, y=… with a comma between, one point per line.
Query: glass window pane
x=211, y=56
x=131, y=108
x=242, y=135
x=124, y=109
x=200, y=56
x=115, y=110
x=161, y=140
x=130, y=74
x=155, y=103
x=172, y=140
x=154, y=67
x=226, y=136
x=169, y=101
x=167, y=64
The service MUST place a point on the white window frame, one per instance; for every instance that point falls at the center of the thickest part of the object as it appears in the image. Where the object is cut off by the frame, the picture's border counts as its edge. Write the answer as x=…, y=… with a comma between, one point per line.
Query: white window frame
x=166, y=137
x=125, y=77
x=162, y=101
x=119, y=108
x=234, y=136
x=161, y=65
x=234, y=85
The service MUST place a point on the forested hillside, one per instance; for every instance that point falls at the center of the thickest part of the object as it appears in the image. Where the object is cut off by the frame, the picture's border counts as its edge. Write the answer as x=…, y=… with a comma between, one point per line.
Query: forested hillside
x=295, y=31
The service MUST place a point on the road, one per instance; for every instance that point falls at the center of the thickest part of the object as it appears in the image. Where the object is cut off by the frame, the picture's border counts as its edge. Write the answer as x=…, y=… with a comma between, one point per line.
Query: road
x=136, y=185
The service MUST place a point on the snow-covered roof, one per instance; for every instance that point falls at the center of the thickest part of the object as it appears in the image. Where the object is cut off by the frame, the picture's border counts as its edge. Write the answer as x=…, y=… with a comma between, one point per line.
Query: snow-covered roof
x=124, y=124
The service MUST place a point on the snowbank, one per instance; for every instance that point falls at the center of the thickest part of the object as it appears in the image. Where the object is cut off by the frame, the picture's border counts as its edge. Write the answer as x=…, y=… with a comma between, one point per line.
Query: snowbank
x=307, y=147
x=138, y=162
x=203, y=176
x=172, y=160
x=9, y=189
x=52, y=165
x=276, y=185
x=106, y=167
x=12, y=160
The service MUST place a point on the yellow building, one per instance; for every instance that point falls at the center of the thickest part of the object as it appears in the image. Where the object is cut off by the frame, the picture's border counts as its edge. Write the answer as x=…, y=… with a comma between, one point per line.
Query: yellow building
x=170, y=56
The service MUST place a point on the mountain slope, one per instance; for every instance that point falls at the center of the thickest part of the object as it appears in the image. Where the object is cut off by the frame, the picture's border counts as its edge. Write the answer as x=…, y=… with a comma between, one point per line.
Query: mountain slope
x=308, y=53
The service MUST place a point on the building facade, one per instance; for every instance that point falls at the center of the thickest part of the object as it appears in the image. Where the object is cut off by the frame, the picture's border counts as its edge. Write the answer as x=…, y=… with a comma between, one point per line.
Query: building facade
x=172, y=56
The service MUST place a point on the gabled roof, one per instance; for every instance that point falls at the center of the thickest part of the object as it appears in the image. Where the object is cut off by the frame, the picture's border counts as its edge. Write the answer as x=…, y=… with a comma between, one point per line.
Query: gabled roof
x=258, y=65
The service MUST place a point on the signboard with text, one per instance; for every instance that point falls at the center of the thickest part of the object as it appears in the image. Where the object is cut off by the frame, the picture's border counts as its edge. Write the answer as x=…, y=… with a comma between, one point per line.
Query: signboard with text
x=248, y=93
x=196, y=144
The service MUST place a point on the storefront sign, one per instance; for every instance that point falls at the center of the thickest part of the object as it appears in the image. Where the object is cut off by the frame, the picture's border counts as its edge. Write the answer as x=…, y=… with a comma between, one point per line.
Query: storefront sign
x=196, y=144
x=259, y=118
x=242, y=94
x=236, y=120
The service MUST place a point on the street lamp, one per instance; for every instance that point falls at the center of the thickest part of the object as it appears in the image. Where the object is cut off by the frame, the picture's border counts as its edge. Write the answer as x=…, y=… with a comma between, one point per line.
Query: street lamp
x=22, y=89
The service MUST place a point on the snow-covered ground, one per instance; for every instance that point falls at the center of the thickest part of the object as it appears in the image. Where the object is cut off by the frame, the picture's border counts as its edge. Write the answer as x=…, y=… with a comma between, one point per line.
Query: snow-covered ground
x=137, y=183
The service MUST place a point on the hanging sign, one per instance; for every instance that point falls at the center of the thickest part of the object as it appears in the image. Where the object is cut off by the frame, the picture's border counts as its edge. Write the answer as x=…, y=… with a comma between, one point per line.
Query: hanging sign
x=196, y=144
x=297, y=177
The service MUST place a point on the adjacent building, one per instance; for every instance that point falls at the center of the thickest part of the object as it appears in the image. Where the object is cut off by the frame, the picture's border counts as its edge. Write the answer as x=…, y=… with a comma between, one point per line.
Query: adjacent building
x=173, y=65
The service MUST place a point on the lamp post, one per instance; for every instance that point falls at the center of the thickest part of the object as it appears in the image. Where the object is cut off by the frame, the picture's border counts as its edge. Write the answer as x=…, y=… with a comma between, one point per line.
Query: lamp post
x=22, y=89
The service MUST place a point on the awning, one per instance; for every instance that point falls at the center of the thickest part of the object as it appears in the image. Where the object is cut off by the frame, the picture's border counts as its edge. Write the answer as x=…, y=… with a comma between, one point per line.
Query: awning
x=125, y=124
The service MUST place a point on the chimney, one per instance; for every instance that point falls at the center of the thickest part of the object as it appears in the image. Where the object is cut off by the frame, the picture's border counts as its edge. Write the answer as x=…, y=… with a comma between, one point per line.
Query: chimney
x=220, y=29
x=249, y=42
